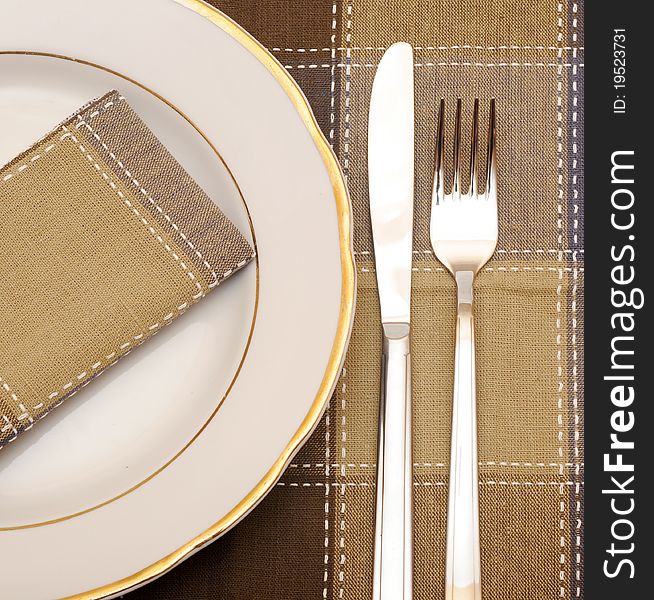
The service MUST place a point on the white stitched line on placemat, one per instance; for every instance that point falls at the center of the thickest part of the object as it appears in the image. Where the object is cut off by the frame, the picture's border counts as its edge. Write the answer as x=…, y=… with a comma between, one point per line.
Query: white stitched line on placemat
x=499, y=65
x=489, y=269
x=325, y=577
x=81, y=122
x=500, y=251
x=489, y=463
x=348, y=96
x=346, y=174
x=552, y=269
x=350, y=484
x=559, y=222
x=453, y=47
x=575, y=382
x=365, y=484
x=327, y=488
x=575, y=402
x=527, y=483
x=136, y=212
x=326, y=557
x=538, y=251
x=343, y=472
x=332, y=123
x=332, y=126
x=332, y=89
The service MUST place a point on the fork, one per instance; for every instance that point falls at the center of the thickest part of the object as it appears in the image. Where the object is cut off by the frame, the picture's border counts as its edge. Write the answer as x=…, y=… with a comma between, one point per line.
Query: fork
x=463, y=232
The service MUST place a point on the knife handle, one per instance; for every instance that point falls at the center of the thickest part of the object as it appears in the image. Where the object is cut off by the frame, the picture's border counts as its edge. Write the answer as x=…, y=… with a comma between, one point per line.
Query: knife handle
x=462, y=562
x=393, y=563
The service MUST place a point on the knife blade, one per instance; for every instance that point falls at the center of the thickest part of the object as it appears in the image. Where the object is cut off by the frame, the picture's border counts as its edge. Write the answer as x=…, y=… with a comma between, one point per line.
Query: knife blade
x=390, y=167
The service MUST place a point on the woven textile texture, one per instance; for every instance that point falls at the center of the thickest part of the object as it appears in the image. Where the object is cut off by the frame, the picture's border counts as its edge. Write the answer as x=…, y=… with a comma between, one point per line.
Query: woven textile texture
x=92, y=264
x=312, y=538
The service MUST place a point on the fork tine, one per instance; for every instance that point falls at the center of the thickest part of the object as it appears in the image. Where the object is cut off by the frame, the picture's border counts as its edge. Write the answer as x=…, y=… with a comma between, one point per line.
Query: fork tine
x=473, y=150
x=491, y=164
x=456, y=184
x=439, y=185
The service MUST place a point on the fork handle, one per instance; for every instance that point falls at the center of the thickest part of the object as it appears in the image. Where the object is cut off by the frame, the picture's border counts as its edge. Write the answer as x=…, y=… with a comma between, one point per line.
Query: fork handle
x=393, y=562
x=463, y=572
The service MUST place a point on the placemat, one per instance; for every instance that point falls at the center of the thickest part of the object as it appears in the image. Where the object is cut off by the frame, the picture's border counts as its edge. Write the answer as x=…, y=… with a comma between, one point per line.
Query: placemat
x=313, y=535
x=104, y=240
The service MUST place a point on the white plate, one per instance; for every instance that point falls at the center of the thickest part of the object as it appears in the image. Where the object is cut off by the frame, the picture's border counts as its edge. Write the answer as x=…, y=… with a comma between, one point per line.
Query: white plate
x=220, y=401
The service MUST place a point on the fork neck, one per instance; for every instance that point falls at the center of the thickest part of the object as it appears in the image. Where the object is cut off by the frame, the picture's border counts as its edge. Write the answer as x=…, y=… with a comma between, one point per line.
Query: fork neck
x=464, y=287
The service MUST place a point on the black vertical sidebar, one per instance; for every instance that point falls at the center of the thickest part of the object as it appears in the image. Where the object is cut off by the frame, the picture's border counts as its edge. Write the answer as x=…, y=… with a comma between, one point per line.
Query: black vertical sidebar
x=619, y=229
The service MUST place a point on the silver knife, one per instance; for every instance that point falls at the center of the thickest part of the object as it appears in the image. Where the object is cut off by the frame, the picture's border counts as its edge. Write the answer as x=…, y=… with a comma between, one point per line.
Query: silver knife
x=390, y=168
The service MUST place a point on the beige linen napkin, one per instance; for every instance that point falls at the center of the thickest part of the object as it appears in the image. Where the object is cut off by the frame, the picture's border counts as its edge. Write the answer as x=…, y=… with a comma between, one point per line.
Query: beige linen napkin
x=104, y=239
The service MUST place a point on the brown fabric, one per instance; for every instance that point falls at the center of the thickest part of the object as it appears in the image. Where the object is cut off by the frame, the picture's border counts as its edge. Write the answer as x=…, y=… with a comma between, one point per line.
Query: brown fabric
x=527, y=201
x=167, y=191
x=529, y=312
x=90, y=265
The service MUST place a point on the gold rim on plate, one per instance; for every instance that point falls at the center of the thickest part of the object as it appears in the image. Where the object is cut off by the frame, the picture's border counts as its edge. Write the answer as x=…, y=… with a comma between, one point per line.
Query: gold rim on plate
x=342, y=333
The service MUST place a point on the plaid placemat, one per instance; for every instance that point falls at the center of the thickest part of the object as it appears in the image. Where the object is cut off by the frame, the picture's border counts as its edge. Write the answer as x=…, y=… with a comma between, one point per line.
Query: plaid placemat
x=313, y=535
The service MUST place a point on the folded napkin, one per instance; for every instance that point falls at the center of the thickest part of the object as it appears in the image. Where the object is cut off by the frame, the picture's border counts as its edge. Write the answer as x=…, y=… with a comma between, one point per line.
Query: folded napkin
x=104, y=239
x=312, y=537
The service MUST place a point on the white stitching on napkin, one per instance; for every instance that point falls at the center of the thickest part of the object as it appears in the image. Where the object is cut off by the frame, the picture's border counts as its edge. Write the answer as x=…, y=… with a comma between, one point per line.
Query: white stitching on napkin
x=8, y=426
x=8, y=390
x=135, y=211
x=22, y=168
x=109, y=104
x=81, y=122
x=111, y=358
x=26, y=414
